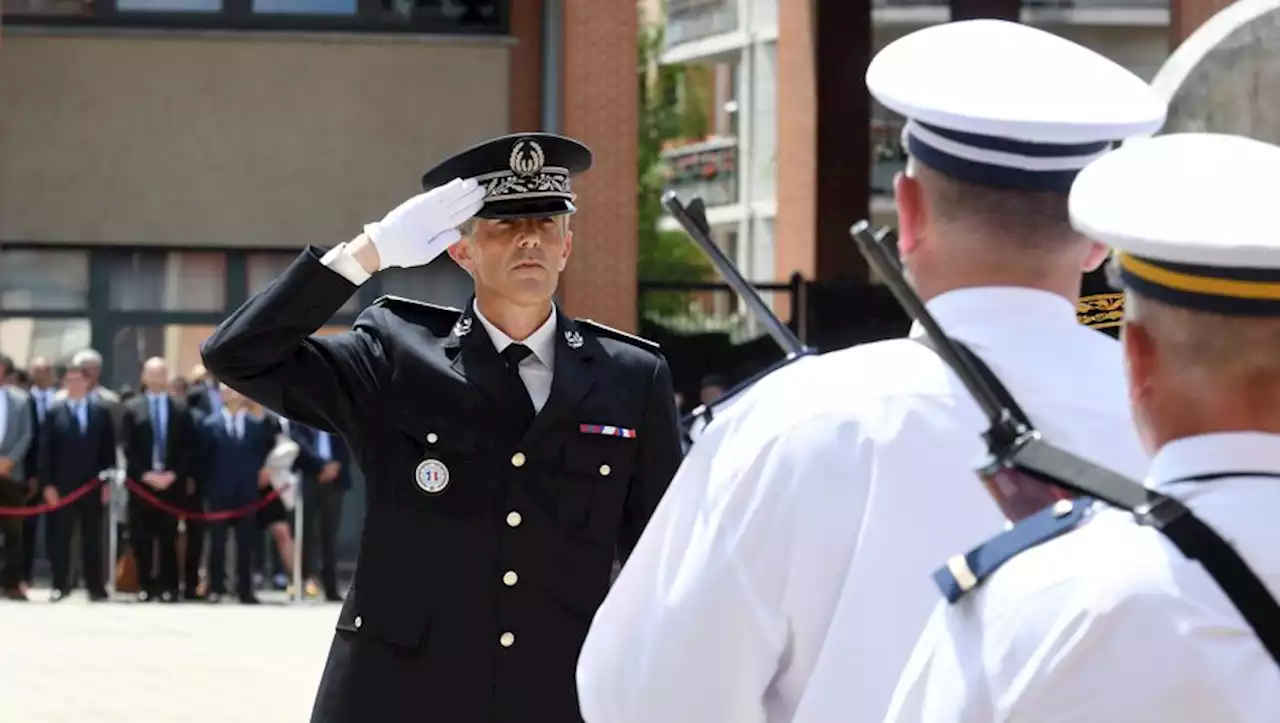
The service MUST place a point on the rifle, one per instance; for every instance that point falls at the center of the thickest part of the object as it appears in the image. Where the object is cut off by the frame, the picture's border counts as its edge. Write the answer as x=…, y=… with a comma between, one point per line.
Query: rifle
x=692, y=218
x=1021, y=462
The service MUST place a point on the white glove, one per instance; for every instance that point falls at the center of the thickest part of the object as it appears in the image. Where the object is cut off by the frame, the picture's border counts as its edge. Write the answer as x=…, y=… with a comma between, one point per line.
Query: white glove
x=420, y=229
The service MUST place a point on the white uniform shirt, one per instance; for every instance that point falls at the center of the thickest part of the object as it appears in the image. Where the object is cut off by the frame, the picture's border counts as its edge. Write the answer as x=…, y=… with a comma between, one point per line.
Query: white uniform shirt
x=1110, y=622
x=786, y=574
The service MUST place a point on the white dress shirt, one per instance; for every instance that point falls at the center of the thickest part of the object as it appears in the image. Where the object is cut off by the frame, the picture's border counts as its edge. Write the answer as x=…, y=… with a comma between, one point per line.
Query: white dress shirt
x=1111, y=622
x=786, y=574
x=4, y=412
x=536, y=370
x=234, y=423
x=42, y=398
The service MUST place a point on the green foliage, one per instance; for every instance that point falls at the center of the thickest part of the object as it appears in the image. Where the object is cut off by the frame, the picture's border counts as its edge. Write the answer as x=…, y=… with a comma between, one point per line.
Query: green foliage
x=672, y=107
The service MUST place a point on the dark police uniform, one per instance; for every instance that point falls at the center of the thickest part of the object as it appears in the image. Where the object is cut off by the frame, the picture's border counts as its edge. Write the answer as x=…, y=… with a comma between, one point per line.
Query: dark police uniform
x=490, y=533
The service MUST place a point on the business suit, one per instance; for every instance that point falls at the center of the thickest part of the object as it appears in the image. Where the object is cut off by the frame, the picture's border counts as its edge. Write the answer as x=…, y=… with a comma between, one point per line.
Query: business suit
x=15, y=441
x=322, y=501
x=235, y=448
x=490, y=532
x=77, y=442
x=41, y=400
x=157, y=434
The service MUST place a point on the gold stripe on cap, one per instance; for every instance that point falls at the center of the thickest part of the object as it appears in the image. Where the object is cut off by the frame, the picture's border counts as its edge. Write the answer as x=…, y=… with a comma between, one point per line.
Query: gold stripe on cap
x=1234, y=288
x=962, y=573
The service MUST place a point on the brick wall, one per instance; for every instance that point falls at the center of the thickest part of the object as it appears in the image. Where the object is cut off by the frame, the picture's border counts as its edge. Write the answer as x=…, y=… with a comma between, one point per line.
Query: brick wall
x=600, y=109
x=526, y=66
x=1187, y=15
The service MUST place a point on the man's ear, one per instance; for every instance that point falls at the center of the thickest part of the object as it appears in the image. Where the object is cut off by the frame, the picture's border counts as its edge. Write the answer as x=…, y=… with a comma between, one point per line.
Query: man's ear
x=568, y=249
x=1097, y=254
x=912, y=221
x=460, y=252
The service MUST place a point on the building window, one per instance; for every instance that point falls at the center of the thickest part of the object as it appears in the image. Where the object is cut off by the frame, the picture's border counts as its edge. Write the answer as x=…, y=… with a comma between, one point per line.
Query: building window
x=167, y=281
x=43, y=280
x=455, y=17
x=440, y=282
x=57, y=340
x=264, y=266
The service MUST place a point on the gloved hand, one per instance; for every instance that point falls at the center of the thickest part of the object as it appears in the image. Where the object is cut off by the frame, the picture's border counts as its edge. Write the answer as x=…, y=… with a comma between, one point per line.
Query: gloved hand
x=420, y=229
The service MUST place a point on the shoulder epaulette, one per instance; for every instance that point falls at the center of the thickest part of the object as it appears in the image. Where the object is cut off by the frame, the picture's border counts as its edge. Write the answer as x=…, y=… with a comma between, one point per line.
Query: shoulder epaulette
x=612, y=333
x=391, y=301
x=963, y=573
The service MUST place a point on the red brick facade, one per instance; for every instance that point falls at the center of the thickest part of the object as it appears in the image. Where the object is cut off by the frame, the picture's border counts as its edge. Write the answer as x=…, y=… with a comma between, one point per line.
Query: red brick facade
x=600, y=107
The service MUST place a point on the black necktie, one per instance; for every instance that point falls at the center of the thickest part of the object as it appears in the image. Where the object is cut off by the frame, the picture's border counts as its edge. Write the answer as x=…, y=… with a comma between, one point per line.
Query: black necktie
x=513, y=355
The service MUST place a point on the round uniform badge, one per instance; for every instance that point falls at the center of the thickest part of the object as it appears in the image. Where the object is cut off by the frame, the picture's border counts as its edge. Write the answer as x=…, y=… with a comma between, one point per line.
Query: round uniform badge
x=432, y=476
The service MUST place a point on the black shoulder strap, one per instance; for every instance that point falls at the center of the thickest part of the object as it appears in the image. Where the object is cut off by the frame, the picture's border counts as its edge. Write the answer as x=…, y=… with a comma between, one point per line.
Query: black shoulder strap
x=1195, y=539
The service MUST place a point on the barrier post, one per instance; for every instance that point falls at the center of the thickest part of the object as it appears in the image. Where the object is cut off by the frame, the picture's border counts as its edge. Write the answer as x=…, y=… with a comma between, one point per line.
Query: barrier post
x=299, y=522
x=109, y=478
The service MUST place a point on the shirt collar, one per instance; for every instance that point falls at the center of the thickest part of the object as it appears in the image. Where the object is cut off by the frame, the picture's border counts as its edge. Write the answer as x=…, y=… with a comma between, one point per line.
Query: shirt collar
x=542, y=342
x=1215, y=453
x=976, y=305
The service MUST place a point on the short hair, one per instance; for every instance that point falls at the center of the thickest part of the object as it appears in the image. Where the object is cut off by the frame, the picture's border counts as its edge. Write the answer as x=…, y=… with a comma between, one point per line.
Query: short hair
x=87, y=357
x=1036, y=219
x=468, y=228
x=1244, y=348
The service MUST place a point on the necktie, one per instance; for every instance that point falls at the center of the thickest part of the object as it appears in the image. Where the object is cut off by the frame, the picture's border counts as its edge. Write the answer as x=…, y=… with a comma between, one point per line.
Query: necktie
x=81, y=422
x=157, y=432
x=513, y=355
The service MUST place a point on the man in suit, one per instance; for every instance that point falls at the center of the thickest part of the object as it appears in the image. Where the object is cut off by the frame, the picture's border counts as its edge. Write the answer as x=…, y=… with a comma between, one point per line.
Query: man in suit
x=159, y=443
x=326, y=474
x=77, y=442
x=510, y=453
x=205, y=395
x=44, y=386
x=16, y=432
x=234, y=449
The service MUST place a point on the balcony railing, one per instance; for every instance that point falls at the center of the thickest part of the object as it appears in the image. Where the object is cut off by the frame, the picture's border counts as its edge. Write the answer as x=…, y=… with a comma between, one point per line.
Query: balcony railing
x=887, y=155
x=689, y=20
x=707, y=168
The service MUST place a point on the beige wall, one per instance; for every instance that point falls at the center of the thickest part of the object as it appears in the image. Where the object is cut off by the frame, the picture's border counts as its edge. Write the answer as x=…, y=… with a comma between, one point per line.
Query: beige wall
x=254, y=140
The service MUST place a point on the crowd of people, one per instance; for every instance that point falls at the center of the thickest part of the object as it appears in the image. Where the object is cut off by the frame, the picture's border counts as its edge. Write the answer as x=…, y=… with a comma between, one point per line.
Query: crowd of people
x=201, y=463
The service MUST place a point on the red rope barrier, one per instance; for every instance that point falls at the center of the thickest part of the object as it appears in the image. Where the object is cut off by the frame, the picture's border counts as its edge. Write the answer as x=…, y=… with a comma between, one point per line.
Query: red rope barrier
x=65, y=500
x=217, y=516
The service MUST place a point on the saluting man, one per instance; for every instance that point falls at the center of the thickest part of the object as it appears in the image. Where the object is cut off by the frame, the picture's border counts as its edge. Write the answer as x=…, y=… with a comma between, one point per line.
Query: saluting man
x=1109, y=621
x=511, y=453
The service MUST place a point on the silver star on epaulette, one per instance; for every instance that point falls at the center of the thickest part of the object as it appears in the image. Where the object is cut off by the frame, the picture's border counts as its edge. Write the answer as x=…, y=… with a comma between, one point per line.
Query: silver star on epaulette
x=463, y=327
x=573, y=339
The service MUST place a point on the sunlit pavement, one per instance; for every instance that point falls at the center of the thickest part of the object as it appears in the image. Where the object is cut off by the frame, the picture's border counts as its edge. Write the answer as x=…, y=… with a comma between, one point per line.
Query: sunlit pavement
x=125, y=662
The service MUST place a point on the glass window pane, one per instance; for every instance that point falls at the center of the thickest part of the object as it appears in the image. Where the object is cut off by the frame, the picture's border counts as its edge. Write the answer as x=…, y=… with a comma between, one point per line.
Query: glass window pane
x=167, y=281
x=306, y=7
x=465, y=13
x=40, y=279
x=177, y=344
x=440, y=282
x=263, y=267
x=47, y=7
x=54, y=339
x=180, y=6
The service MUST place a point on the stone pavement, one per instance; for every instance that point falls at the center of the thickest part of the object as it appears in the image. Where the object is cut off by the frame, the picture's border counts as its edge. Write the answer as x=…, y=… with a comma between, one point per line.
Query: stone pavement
x=124, y=662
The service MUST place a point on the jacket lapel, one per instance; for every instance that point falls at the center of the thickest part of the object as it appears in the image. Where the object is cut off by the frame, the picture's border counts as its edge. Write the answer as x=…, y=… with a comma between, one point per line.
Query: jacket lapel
x=475, y=359
x=577, y=364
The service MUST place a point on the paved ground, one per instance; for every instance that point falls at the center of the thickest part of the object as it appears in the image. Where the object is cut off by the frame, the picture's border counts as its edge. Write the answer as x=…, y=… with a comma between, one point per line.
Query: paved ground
x=122, y=662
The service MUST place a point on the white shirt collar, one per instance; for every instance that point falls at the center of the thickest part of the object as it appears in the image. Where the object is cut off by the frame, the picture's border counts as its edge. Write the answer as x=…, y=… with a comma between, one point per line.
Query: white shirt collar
x=961, y=307
x=542, y=342
x=1215, y=453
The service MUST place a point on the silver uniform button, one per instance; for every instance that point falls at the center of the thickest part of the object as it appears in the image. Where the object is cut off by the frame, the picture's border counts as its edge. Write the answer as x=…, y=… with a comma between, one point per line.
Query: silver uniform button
x=605, y=470
x=358, y=621
x=507, y=640
x=513, y=519
x=517, y=459
x=432, y=438
x=510, y=578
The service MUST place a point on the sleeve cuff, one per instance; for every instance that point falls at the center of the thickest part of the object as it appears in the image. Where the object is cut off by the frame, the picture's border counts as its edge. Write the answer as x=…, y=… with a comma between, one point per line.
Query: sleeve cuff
x=343, y=264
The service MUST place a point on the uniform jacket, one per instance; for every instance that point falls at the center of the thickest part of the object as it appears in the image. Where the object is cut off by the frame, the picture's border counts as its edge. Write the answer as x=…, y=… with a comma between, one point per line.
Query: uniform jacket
x=470, y=602
x=137, y=438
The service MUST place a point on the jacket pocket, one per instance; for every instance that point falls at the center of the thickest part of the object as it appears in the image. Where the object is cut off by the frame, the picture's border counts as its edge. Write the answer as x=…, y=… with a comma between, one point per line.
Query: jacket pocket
x=391, y=598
